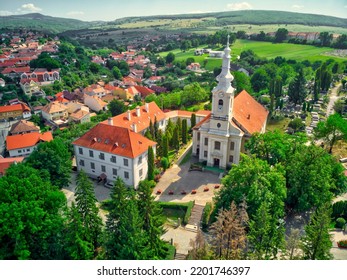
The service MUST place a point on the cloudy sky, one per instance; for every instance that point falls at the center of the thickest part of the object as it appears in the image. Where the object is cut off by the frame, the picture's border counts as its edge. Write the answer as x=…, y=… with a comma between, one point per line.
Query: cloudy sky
x=112, y=9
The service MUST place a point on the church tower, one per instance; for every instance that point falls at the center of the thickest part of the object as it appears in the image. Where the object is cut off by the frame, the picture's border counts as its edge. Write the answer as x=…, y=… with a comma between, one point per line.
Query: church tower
x=223, y=98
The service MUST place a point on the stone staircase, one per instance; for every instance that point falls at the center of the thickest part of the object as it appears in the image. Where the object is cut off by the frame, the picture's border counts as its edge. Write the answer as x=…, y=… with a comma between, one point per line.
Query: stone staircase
x=179, y=256
x=195, y=218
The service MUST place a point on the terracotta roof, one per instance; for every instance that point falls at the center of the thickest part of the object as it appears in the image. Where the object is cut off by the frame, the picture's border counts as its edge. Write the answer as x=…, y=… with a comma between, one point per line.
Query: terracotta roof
x=144, y=91
x=27, y=140
x=142, y=122
x=16, y=70
x=79, y=114
x=6, y=162
x=16, y=107
x=115, y=140
x=197, y=126
x=202, y=112
x=23, y=126
x=250, y=114
x=54, y=107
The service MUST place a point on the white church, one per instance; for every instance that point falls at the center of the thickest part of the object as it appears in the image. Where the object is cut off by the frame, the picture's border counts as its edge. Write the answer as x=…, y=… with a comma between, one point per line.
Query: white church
x=220, y=137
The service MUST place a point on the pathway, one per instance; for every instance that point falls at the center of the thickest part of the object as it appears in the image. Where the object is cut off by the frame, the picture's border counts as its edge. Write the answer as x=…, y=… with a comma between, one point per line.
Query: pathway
x=332, y=99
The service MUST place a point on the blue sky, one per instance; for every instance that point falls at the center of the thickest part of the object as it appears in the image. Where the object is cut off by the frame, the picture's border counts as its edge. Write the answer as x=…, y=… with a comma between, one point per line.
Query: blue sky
x=113, y=9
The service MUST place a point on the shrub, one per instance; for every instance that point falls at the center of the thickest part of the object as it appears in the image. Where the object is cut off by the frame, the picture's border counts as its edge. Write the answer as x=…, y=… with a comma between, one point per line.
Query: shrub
x=206, y=215
x=340, y=223
x=164, y=163
x=340, y=210
x=342, y=244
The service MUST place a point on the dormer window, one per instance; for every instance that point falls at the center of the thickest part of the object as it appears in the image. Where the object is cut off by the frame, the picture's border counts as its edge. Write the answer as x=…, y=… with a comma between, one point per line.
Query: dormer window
x=220, y=104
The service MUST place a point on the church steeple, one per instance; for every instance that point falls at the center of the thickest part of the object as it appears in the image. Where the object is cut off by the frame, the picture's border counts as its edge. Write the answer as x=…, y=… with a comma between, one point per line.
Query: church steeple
x=225, y=78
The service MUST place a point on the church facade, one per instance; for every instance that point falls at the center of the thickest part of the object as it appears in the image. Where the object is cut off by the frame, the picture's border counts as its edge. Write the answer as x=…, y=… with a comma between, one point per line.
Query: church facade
x=220, y=137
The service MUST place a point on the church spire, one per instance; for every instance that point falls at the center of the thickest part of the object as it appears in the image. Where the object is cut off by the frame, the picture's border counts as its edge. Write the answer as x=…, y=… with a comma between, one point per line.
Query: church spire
x=225, y=77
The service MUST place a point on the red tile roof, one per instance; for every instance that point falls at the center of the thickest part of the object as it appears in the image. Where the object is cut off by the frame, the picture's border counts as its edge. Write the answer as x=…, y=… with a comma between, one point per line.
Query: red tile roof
x=144, y=91
x=250, y=114
x=27, y=140
x=6, y=162
x=16, y=70
x=115, y=140
x=16, y=107
x=142, y=122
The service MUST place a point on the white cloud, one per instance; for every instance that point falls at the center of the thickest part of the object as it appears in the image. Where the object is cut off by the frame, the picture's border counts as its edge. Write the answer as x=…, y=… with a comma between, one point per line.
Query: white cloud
x=297, y=7
x=239, y=6
x=6, y=13
x=29, y=8
x=75, y=13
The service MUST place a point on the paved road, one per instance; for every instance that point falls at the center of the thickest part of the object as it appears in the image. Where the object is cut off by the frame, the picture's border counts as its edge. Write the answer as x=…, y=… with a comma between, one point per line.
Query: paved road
x=333, y=98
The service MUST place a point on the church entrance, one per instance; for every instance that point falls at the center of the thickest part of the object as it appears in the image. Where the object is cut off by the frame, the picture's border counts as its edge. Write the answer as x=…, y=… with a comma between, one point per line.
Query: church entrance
x=216, y=162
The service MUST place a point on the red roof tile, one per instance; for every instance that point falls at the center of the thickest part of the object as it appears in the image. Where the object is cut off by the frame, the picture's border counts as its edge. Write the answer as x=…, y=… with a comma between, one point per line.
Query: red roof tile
x=115, y=140
x=16, y=107
x=27, y=140
x=142, y=122
x=6, y=162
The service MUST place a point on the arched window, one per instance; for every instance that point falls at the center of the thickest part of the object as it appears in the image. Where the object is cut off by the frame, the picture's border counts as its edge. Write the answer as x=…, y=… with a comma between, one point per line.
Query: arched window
x=220, y=104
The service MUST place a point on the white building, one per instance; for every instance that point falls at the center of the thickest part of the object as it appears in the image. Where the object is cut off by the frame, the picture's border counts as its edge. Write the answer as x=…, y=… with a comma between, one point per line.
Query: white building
x=220, y=137
x=107, y=152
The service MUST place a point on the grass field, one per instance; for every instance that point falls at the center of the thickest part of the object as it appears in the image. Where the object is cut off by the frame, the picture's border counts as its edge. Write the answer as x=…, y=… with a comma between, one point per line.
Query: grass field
x=263, y=49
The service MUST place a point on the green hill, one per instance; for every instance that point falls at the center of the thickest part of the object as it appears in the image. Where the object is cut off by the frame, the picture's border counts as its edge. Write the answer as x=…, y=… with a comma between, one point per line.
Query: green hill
x=38, y=21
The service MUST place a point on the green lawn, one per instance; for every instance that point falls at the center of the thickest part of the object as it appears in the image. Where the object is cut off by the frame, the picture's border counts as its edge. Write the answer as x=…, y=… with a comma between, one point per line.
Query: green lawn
x=263, y=49
x=279, y=125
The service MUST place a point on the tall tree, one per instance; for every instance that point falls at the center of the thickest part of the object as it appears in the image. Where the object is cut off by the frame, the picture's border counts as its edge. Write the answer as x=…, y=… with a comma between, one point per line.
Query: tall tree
x=76, y=241
x=86, y=205
x=175, y=139
x=193, y=120
x=184, y=131
x=54, y=158
x=281, y=35
x=316, y=243
x=151, y=166
x=331, y=130
x=297, y=88
x=165, y=146
x=152, y=221
x=31, y=223
x=325, y=38
x=293, y=243
x=124, y=237
x=170, y=58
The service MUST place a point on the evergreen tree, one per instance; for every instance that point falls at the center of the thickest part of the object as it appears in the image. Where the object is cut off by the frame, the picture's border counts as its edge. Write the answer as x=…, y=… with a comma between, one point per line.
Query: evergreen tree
x=297, y=88
x=193, y=120
x=165, y=146
x=151, y=166
x=179, y=128
x=124, y=237
x=85, y=202
x=175, y=139
x=184, y=131
x=316, y=243
x=77, y=243
x=152, y=221
x=155, y=128
x=151, y=130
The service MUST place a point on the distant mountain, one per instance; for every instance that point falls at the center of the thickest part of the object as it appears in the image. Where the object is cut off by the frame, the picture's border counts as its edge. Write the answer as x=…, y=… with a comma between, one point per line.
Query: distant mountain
x=256, y=17
x=251, y=17
x=38, y=21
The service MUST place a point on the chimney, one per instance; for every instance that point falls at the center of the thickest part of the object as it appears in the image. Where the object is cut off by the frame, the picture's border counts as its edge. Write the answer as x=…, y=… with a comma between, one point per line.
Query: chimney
x=147, y=107
x=249, y=116
x=110, y=121
x=134, y=127
x=138, y=111
x=129, y=115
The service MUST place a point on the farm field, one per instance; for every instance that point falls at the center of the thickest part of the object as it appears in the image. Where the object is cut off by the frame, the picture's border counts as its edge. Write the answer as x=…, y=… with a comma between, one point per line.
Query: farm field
x=262, y=49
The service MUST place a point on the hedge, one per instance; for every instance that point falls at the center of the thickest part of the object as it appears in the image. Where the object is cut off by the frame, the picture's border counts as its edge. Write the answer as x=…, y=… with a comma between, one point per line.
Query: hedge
x=340, y=210
x=187, y=207
x=206, y=215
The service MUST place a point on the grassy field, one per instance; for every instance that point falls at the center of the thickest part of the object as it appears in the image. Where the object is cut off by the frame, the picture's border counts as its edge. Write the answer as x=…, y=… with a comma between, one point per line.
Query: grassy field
x=263, y=49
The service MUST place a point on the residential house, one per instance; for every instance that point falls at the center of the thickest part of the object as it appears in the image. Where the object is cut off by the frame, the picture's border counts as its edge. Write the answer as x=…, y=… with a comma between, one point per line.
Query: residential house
x=80, y=116
x=95, y=103
x=31, y=87
x=195, y=66
x=106, y=152
x=95, y=90
x=15, y=111
x=22, y=127
x=24, y=144
x=54, y=111
x=154, y=80
x=220, y=137
x=5, y=163
x=43, y=76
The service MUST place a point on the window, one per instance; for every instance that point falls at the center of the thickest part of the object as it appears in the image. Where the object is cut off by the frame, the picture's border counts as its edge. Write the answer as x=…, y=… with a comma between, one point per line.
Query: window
x=205, y=154
x=206, y=141
x=92, y=165
x=81, y=162
x=91, y=153
x=114, y=171
x=198, y=136
x=102, y=156
x=217, y=145
x=113, y=159
x=28, y=150
x=80, y=151
x=232, y=146
x=140, y=172
x=140, y=160
x=19, y=151
x=126, y=175
x=103, y=168
x=220, y=104
x=231, y=158
x=125, y=162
